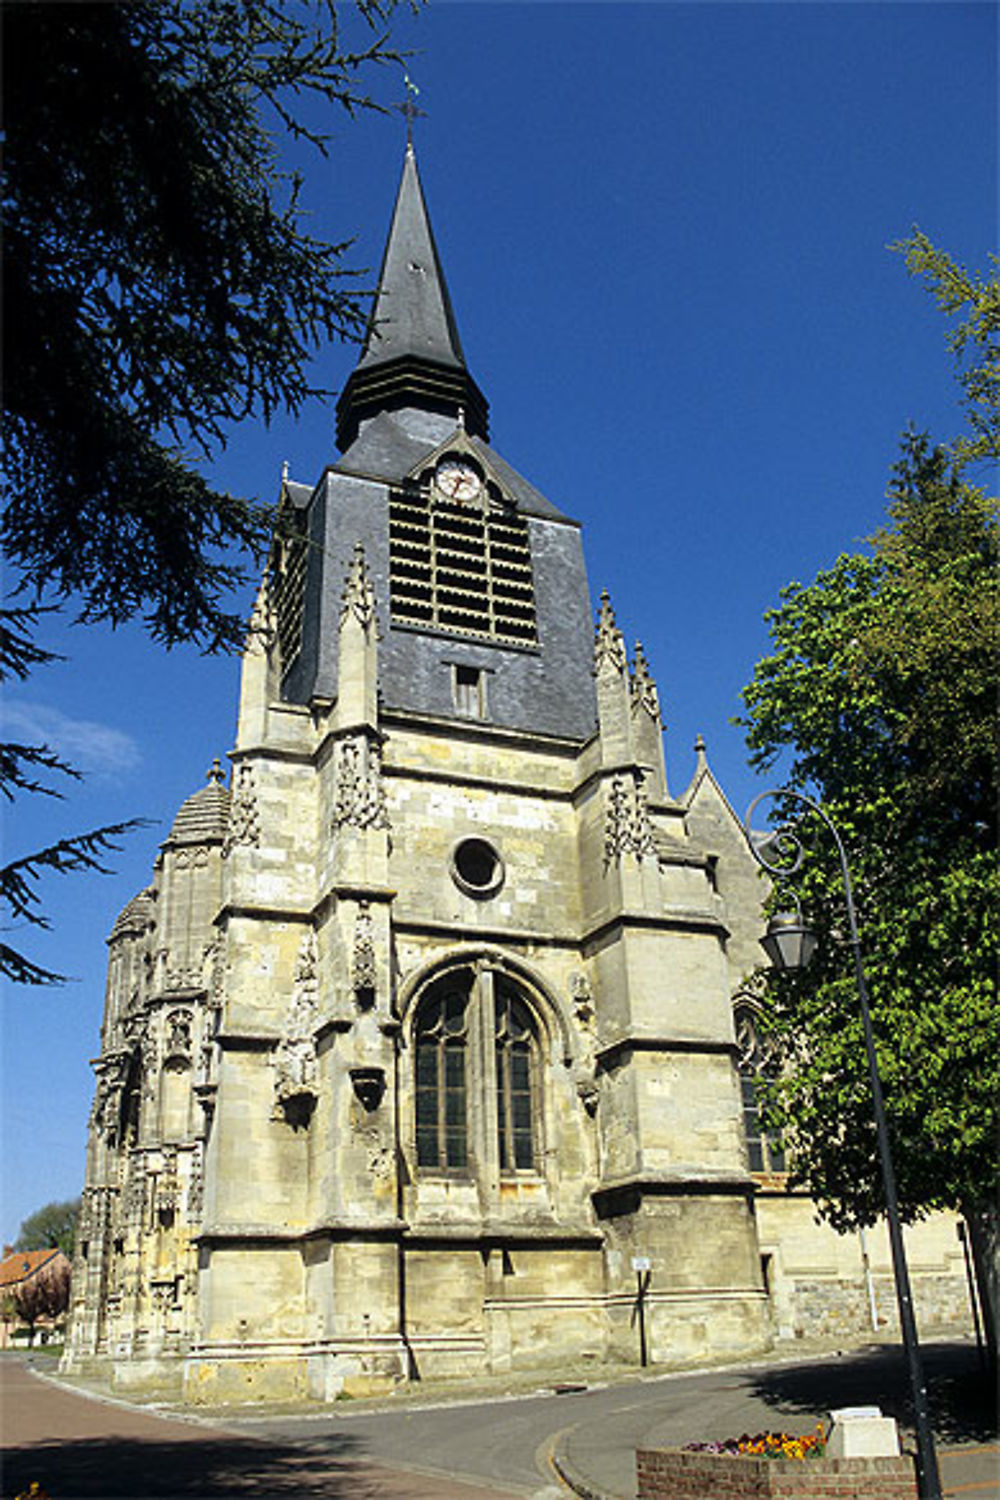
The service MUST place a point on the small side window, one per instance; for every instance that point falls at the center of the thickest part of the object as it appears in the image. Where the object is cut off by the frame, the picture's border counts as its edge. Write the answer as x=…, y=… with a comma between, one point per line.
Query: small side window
x=469, y=691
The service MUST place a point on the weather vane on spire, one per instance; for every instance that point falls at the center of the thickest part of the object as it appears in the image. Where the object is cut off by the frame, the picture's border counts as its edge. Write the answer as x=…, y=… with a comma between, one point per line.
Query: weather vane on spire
x=408, y=109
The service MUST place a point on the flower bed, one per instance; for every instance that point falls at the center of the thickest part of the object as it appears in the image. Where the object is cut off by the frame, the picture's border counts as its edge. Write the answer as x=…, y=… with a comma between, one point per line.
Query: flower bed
x=683, y=1474
x=768, y=1445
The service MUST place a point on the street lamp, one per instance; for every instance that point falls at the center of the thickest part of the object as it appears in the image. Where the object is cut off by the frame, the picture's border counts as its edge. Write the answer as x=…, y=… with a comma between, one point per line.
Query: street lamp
x=789, y=944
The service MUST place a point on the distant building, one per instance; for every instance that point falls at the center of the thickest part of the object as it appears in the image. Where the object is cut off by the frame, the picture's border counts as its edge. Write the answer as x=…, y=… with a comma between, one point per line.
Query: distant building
x=21, y=1268
x=420, y=1049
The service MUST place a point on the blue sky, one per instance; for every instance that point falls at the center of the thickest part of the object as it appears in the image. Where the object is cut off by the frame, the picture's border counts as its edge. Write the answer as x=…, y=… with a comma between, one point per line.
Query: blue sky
x=665, y=231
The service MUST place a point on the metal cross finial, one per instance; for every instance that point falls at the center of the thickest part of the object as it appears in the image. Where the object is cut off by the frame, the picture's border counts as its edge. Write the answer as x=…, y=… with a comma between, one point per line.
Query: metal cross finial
x=408, y=109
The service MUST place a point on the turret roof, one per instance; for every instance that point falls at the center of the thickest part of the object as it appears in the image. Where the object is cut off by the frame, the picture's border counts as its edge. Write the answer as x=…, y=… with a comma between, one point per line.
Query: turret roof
x=204, y=817
x=136, y=916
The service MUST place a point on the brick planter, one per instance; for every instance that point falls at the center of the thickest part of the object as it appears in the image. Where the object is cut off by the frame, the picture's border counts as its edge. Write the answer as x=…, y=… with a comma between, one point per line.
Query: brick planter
x=673, y=1474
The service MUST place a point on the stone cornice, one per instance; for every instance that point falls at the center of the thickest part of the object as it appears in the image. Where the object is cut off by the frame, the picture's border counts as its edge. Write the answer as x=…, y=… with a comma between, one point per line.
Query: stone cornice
x=672, y=918
x=624, y=1195
x=247, y=1041
x=505, y=1232
x=249, y=910
x=481, y=732
x=354, y=891
x=336, y=1227
x=483, y=783
x=610, y=1053
x=457, y=932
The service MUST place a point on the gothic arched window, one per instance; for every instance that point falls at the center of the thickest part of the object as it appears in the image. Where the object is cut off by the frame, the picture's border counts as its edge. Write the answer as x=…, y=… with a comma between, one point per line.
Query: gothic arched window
x=476, y=1103
x=757, y=1061
x=515, y=1062
x=442, y=1035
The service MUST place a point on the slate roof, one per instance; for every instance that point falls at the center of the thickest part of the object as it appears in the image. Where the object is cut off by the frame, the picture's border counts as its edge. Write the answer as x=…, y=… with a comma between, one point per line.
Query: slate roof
x=298, y=494
x=528, y=500
x=204, y=817
x=412, y=311
x=412, y=354
x=385, y=451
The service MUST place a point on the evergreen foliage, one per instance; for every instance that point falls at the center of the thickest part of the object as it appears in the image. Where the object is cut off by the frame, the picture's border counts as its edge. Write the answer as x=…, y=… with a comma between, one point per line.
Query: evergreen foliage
x=158, y=287
x=974, y=342
x=19, y=878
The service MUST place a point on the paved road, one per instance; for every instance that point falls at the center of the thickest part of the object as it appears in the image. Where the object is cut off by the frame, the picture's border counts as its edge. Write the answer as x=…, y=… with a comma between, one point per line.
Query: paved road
x=480, y=1449
x=508, y=1442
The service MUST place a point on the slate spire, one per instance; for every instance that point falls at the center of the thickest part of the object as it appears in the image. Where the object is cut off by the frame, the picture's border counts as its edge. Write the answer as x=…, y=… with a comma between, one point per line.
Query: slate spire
x=412, y=354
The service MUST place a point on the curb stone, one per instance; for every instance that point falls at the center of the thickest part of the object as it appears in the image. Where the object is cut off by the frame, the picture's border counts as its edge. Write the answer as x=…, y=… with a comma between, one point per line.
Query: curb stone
x=560, y=1460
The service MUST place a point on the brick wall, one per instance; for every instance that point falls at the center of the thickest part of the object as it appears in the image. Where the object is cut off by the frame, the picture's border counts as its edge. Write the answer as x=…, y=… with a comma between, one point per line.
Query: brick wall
x=672, y=1474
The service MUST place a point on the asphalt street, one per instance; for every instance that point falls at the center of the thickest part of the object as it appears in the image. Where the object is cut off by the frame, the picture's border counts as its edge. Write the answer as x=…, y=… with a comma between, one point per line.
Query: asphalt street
x=431, y=1446
x=595, y=1433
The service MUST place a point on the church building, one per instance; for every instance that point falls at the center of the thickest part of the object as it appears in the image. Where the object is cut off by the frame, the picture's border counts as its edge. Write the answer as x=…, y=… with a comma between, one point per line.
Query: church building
x=421, y=1052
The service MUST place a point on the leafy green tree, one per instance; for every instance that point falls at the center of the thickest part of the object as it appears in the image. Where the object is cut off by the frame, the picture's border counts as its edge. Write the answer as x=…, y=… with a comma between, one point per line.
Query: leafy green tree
x=158, y=287
x=881, y=687
x=50, y=1227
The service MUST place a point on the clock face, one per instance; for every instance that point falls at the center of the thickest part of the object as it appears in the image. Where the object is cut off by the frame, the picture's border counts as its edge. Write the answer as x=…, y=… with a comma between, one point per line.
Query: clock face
x=457, y=480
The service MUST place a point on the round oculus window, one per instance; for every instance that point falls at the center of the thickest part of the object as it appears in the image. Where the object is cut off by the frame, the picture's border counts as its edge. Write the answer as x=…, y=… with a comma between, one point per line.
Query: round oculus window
x=476, y=868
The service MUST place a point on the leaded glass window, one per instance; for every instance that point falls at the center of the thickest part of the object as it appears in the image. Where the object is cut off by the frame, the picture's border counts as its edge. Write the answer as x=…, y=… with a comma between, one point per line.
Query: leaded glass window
x=441, y=1069
x=757, y=1061
x=515, y=1060
x=477, y=1075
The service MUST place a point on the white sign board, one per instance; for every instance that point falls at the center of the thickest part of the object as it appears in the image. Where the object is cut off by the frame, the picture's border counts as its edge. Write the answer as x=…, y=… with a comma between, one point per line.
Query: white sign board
x=641, y=1263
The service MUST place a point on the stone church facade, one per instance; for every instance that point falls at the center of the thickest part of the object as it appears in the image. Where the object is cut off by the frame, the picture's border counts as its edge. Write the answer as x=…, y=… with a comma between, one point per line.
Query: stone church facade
x=419, y=1051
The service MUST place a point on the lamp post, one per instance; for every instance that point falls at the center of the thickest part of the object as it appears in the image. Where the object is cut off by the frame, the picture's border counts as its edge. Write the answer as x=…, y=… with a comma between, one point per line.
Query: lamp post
x=789, y=944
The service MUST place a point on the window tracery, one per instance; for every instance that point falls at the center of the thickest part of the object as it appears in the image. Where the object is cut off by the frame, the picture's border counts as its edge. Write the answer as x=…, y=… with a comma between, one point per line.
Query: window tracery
x=757, y=1061
x=477, y=1068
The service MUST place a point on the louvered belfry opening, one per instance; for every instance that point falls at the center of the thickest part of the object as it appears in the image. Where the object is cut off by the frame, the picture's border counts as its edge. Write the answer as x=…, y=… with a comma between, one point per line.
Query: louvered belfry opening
x=288, y=579
x=464, y=569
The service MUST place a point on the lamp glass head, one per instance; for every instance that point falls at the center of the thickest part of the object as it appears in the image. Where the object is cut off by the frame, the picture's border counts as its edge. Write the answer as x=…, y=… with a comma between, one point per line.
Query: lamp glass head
x=788, y=942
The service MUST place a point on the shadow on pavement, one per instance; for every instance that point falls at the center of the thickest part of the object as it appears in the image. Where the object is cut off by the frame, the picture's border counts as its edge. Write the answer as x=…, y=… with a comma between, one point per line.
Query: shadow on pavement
x=962, y=1397
x=131, y=1469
